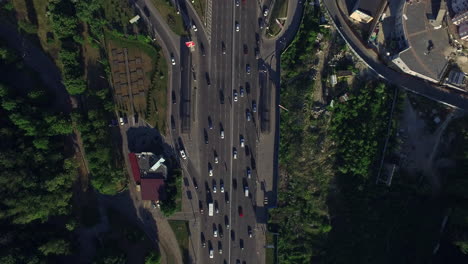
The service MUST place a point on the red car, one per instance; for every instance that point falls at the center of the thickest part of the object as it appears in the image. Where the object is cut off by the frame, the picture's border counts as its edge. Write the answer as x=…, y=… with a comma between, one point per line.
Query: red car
x=240, y=212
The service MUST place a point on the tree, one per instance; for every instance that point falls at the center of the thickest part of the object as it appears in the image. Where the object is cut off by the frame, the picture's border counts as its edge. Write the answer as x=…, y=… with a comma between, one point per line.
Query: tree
x=55, y=247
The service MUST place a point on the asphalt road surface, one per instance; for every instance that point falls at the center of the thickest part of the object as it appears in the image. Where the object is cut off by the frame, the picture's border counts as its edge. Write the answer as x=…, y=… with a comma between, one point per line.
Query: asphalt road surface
x=220, y=69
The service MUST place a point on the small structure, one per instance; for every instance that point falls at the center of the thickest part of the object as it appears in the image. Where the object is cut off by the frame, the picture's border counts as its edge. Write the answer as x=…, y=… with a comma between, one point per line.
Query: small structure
x=333, y=80
x=152, y=189
x=460, y=18
x=436, y=21
x=463, y=31
x=345, y=73
x=360, y=16
x=149, y=173
x=456, y=78
x=134, y=19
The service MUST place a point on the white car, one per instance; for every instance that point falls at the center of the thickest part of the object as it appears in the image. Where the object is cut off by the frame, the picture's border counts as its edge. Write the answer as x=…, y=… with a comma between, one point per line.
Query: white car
x=234, y=154
x=214, y=189
x=265, y=12
x=237, y=2
x=242, y=142
x=220, y=251
x=242, y=92
x=222, y=134
x=221, y=187
x=235, y=96
x=237, y=27
x=215, y=233
x=194, y=28
x=216, y=159
x=173, y=61
x=210, y=172
x=182, y=154
x=211, y=253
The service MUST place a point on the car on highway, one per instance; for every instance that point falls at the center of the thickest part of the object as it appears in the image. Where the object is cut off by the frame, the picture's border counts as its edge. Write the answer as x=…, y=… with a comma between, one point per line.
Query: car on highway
x=257, y=39
x=235, y=96
x=221, y=187
x=210, y=172
x=182, y=154
x=194, y=27
x=249, y=173
x=195, y=184
x=203, y=241
x=265, y=11
x=242, y=92
x=237, y=2
x=221, y=134
x=200, y=206
x=261, y=23
x=237, y=26
x=205, y=136
x=207, y=77
x=210, y=122
x=254, y=106
x=173, y=60
x=246, y=49
x=214, y=188
x=241, y=214
x=234, y=153
x=247, y=68
x=216, y=160
x=202, y=49
x=249, y=231
x=242, y=144
x=241, y=244
x=215, y=231
x=220, y=247
x=226, y=197
x=226, y=221
x=216, y=207
x=211, y=253
x=223, y=47
x=247, y=114
x=220, y=230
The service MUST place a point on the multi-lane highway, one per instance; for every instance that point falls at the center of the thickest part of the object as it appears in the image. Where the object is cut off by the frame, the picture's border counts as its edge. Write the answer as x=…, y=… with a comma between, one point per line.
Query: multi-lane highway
x=227, y=93
x=218, y=96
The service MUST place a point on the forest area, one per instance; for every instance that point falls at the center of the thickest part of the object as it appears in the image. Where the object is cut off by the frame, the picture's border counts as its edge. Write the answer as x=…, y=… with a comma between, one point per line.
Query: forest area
x=39, y=168
x=330, y=208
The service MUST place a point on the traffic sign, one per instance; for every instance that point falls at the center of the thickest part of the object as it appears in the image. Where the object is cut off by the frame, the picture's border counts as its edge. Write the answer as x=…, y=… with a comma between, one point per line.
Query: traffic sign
x=190, y=44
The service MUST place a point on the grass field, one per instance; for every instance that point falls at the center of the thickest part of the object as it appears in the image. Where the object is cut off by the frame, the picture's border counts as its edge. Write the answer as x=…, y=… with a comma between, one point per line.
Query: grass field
x=181, y=231
x=280, y=10
x=200, y=7
x=170, y=15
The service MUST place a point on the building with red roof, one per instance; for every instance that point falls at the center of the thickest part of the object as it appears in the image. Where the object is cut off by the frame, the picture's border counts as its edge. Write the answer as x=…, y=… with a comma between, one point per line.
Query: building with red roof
x=152, y=189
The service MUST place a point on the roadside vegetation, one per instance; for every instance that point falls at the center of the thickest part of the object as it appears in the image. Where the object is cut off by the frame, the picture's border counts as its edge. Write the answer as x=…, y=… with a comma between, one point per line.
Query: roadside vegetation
x=124, y=239
x=181, y=231
x=279, y=11
x=169, y=13
x=173, y=200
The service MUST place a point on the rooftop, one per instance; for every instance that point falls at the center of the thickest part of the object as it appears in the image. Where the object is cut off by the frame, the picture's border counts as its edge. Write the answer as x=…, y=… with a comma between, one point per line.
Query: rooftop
x=429, y=46
x=152, y=189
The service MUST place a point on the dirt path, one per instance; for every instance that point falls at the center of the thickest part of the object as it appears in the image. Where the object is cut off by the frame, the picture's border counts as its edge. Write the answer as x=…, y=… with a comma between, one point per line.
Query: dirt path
x=420, y=146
